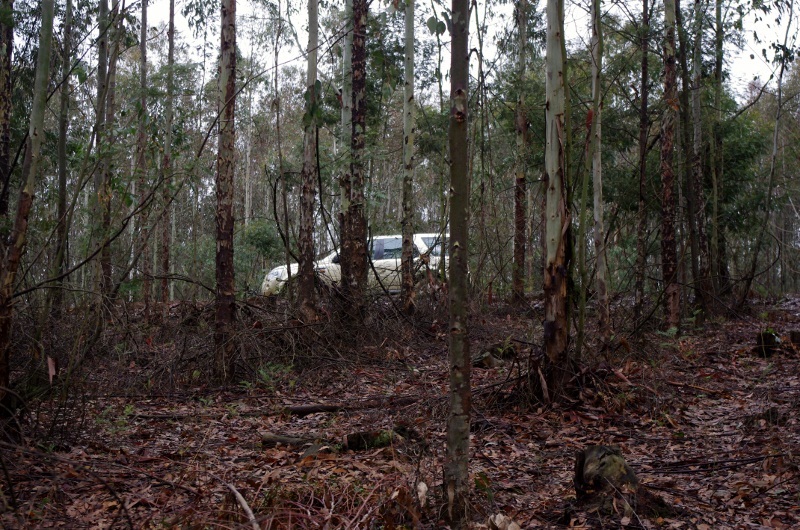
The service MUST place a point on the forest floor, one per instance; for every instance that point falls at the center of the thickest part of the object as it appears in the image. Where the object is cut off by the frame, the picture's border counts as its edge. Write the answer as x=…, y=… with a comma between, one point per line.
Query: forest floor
x=707, y=425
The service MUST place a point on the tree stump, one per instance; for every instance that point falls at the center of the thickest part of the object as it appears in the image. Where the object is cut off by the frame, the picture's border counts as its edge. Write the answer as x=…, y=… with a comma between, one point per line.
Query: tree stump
x=606, y=485
x=767, y=343
x=601, y=475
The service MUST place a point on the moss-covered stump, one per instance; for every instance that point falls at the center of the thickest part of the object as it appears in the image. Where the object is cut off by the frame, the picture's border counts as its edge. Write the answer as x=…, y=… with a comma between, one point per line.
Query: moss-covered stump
x=602, y=477
x=606, y=485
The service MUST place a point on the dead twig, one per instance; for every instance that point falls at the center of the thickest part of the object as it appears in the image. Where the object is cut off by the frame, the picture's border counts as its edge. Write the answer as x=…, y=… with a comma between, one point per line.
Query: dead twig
x=695, y=387
x=242, y=502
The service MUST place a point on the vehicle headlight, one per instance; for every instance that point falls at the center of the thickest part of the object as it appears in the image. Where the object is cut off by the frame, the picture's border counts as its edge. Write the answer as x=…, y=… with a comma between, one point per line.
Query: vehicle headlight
x=274, y=274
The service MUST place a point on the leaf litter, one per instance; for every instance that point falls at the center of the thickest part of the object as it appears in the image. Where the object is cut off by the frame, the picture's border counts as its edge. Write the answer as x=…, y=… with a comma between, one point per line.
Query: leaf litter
x=708, y=427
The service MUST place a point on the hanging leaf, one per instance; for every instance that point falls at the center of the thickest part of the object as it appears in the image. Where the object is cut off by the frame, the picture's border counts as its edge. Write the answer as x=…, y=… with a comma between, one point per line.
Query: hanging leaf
x=432, y=25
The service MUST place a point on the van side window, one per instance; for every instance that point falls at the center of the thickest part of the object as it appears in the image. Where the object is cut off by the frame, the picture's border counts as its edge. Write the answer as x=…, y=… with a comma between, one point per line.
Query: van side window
x=393, y=248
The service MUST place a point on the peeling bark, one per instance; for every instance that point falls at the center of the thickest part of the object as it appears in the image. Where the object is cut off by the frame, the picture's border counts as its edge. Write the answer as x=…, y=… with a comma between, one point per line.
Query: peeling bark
x=557, y=219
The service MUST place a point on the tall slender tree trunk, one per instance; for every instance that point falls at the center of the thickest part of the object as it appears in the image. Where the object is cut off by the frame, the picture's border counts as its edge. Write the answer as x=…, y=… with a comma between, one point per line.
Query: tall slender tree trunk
x=456, y=475
x=16, y=248
x=773, y=163
x=644, y=131
x=346, y=179
x=409, y=131
x=686, y=142
x=166, y=162
x=225, y=318
x=309, y=174
x=248, y=185
x=62, y=229
x=354, y=238
x=287, y=254
x=704, y=287
x=556, y=273
x=6, y=47
x=669, y=253
x=100, y=125
x=106, y=282
x=719, y=269
x=603, y=316
x=520, y=182
x=141, y=166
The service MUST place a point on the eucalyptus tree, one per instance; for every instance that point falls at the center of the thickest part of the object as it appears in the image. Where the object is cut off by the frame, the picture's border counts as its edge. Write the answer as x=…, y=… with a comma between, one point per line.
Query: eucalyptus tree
x=6, y=47
x=669, y=255
x=30, y=167
x=354, y=227
x=104, y=26
x=784, y=55
x=62, y=229
x=409, y=126
x=684, y=112
x=309, y=173
x=225, y=313
x=595, y=130
x=717, y=172
x=167, y=222
x=644, y=133
x=521, y=128
x=456, y=475
x=557, y=218
x=703, y=283
x=141, y=163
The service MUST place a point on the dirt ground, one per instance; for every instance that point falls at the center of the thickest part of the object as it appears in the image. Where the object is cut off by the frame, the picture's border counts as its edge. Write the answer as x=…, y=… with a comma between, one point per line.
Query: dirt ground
x=709, y=427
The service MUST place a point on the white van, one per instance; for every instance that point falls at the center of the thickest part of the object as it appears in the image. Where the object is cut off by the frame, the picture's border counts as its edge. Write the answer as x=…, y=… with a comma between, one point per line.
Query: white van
x=386, y=252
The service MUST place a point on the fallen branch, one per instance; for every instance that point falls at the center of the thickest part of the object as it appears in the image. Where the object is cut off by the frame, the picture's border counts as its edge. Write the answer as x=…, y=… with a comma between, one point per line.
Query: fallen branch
x=695, y=387
x=242, y=503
